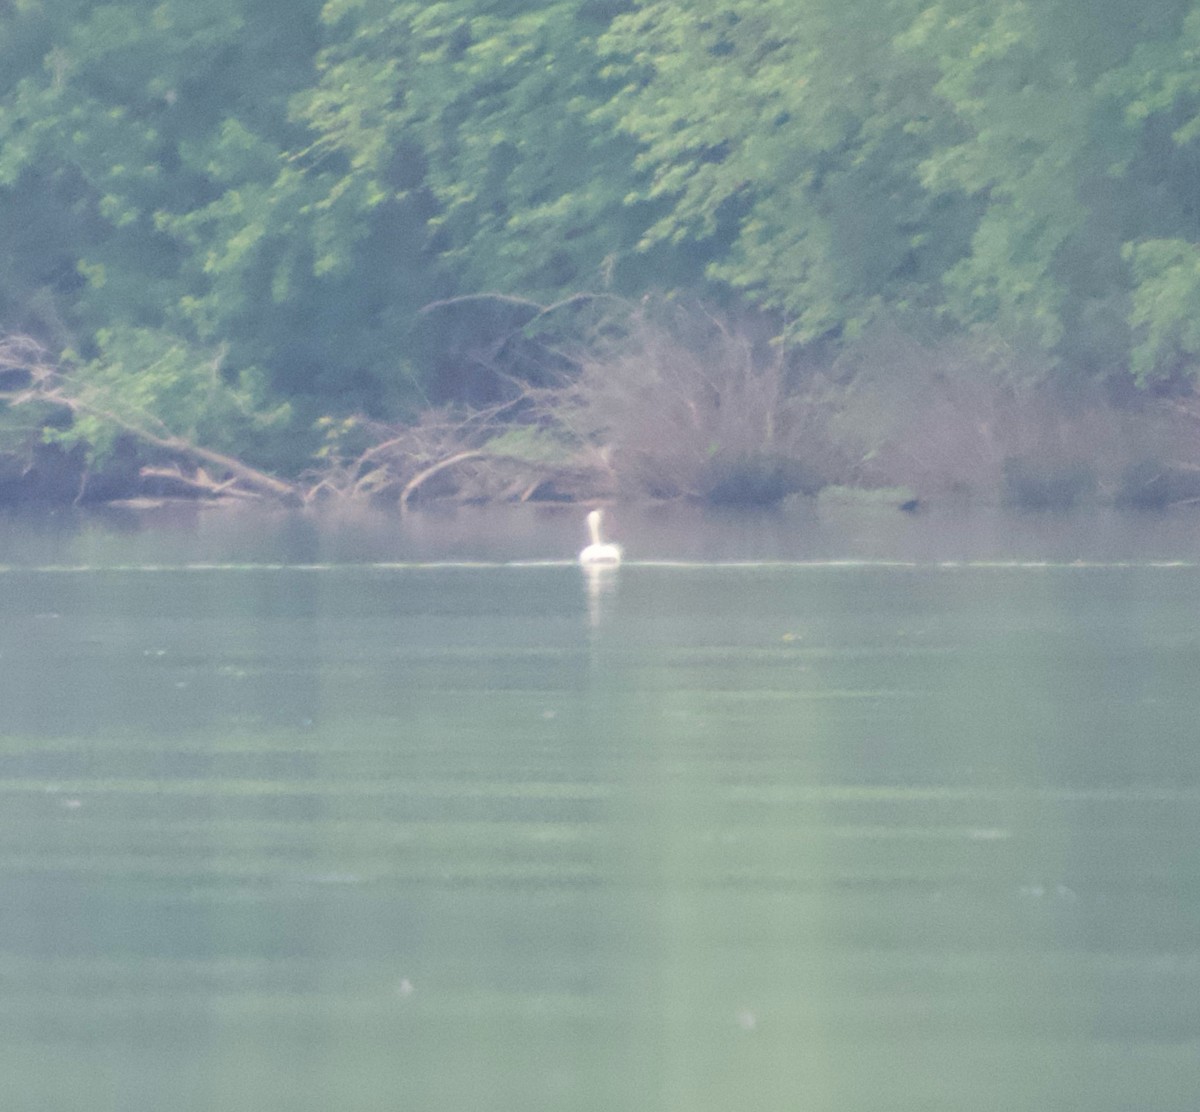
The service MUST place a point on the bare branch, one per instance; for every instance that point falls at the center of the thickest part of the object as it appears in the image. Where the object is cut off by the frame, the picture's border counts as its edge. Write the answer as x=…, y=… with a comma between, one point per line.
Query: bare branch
x=48, y=384
x=509, y=299
x=414, y=484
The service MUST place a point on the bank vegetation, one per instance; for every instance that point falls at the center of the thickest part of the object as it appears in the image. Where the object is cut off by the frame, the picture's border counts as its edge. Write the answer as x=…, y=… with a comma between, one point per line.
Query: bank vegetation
x=390, y=251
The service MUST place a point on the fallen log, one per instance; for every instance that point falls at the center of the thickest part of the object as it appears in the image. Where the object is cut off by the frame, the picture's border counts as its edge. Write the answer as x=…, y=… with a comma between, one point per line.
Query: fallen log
x=46, y=384
x=414, y=484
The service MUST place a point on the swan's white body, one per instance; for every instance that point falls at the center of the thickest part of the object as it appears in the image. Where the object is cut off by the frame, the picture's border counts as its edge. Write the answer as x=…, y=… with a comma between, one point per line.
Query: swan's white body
x=598, y=552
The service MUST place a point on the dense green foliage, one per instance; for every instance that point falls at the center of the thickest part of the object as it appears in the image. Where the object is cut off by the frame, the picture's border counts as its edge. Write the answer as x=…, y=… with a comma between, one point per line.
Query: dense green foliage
x=230, y=213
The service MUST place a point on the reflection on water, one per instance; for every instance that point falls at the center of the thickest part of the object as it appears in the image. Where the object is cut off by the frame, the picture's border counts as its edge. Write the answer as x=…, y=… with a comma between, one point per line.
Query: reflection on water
x=280, y=831
x=601, y=584
x=191, y=535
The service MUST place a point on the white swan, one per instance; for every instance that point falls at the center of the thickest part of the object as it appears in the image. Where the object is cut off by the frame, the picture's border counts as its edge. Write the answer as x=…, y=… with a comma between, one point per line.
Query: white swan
x=598, y=552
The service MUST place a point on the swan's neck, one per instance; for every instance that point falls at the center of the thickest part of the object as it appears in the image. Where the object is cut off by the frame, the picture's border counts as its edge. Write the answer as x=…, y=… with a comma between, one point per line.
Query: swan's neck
x=593, y=520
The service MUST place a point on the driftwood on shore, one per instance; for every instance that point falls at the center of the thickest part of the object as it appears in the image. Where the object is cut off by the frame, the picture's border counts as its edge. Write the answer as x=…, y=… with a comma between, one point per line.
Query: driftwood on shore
x=445, y=454
x=650, y=417
x=32, y=377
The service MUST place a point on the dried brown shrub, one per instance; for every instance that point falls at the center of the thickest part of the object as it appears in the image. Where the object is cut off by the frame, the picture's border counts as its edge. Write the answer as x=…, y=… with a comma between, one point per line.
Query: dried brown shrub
x=968, y=418
x=678, y=403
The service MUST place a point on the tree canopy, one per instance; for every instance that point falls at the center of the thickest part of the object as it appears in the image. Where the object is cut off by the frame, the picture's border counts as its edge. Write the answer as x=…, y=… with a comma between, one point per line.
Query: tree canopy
x=229, y=214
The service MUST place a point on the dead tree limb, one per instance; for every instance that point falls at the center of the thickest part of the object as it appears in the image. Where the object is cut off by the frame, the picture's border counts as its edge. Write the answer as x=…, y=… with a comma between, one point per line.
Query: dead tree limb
x=47, y=385
x=415, y=483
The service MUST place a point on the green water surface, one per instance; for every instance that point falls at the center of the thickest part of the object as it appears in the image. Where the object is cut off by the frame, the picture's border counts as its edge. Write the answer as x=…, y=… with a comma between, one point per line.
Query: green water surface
x=812, y=835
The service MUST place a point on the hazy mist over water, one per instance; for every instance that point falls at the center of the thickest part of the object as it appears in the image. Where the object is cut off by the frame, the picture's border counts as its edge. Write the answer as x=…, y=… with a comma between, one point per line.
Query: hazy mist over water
x=833, y=809
x=185, y=534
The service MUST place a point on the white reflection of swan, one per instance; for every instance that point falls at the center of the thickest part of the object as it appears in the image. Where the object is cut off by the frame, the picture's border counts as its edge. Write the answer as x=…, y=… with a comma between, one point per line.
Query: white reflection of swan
x=601, y=582
x=598, y=553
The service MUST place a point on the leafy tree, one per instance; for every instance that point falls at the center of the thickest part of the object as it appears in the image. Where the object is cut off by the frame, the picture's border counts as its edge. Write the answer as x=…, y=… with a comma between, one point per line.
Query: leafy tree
x=287, y=183
x=1157, y=92
x=129, y=122
x=1044, y=152
x=992, y=166
x=146, y=381
x=793, y=130
x=484, y=114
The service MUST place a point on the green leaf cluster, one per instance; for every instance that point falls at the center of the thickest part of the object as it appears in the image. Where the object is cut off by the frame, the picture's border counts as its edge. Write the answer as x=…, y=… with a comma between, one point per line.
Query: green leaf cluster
x=288, y=182
x=150, y=382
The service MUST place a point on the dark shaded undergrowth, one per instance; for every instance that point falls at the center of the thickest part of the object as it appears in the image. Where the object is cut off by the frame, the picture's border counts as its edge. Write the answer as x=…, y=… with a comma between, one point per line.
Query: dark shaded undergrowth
x=654, y=401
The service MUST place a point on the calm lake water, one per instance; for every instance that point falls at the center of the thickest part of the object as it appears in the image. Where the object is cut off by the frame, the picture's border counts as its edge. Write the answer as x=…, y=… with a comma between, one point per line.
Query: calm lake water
x=832, y=810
